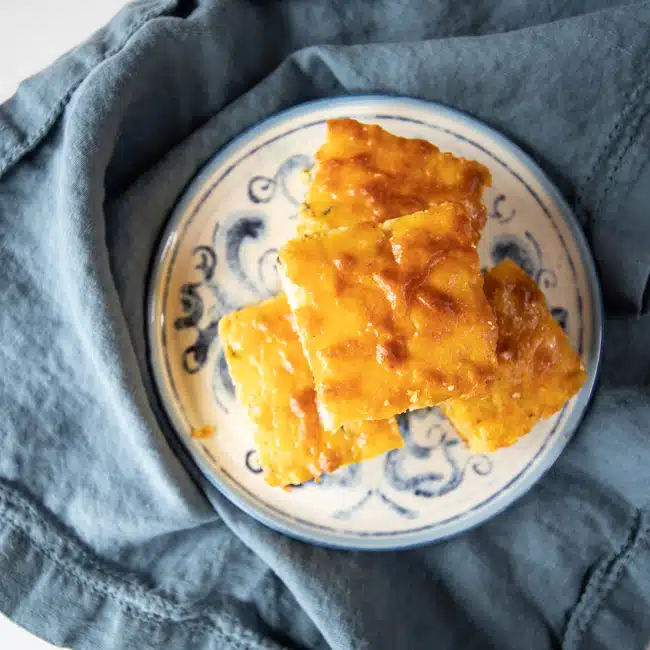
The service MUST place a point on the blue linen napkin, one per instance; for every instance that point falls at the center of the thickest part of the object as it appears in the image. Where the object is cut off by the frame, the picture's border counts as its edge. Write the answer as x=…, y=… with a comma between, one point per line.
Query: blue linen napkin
x=108, y=540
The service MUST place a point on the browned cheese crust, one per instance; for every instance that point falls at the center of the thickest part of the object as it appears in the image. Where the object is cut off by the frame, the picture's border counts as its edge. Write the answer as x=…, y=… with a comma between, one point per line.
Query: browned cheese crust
x=364, y=173
x=538, y=369
x=391, y=317
x=275, y=386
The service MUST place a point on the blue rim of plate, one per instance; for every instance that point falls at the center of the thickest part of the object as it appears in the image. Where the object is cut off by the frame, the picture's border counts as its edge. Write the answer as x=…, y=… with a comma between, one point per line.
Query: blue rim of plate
x=518, y=486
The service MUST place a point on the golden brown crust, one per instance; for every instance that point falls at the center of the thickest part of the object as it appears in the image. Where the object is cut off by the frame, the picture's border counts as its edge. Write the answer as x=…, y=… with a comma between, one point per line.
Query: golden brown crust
x=391, y=317
x=274, y=384
x=538, y=369
x=364, y=173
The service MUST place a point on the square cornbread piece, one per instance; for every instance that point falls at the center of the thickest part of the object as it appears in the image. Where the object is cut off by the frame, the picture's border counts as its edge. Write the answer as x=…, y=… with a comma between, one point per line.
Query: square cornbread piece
x=274, y=384
x=364, y=173
x=392, y=317
x=538, y=369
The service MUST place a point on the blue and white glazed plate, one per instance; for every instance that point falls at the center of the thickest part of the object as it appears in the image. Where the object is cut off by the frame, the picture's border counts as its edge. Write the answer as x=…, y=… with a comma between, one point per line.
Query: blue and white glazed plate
x=218, y=254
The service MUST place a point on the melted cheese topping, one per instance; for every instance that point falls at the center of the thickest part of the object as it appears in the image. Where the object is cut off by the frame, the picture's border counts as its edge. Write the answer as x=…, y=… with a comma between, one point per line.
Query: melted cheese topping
x=274, y=384
x=538, y=369
x=391, y=317
x=364, y=173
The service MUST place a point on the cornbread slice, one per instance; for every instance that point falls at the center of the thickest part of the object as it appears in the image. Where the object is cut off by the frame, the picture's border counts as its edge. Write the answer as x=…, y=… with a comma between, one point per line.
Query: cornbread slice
x=273, y=382
x=364, y=173
x=538, y=369
x=392, y=317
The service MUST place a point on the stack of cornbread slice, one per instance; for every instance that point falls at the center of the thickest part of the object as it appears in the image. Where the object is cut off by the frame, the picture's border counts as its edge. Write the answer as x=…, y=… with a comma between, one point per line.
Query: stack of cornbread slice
x=385, y=310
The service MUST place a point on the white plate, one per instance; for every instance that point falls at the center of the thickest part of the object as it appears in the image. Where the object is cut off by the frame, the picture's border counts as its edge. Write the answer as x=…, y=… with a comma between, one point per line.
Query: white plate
x=219, y=253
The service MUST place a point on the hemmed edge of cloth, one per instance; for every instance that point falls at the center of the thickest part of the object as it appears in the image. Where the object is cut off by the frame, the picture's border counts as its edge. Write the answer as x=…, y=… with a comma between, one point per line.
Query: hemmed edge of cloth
x=612, y=573
x=49, y=577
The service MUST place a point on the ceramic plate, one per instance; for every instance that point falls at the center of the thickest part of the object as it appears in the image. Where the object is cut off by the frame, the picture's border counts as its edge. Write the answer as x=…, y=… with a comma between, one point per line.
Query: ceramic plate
x=219, y=253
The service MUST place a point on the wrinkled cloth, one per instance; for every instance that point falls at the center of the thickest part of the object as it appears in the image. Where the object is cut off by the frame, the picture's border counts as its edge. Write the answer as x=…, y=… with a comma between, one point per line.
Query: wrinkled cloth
x=109, y=538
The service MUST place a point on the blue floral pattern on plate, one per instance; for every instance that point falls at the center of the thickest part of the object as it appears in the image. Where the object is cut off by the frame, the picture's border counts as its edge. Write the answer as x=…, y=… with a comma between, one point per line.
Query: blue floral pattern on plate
x=220, y=254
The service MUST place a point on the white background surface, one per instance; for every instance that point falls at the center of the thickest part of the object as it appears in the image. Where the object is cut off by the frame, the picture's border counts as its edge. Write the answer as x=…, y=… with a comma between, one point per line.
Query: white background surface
x=32, y=34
